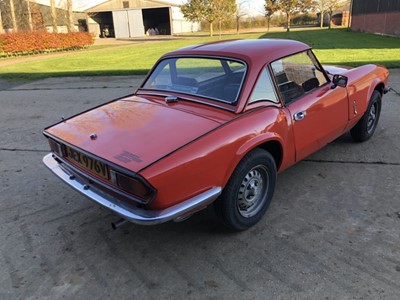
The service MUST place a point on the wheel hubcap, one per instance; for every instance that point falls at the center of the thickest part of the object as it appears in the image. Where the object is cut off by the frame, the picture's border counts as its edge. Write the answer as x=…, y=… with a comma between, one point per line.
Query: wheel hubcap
x=372, y=118
x=252, y=191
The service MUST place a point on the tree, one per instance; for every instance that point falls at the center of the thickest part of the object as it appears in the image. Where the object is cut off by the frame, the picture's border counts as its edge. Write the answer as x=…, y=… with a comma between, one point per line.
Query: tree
x=13, y=18
x=13, y=15
x=332, y=6
x=70, y=21
x=1, y=22
x=36, y=16
x=54, y=15
x=30, y=22
x=322, y=7
x=291, y=7
x=224, y=9
x=270, y=7
x=207, y=10
x=193, y=10
x=238, y=14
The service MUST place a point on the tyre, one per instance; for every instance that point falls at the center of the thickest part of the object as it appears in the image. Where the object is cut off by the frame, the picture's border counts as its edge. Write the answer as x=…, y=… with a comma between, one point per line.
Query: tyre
x=249, y=191
x=366, y=126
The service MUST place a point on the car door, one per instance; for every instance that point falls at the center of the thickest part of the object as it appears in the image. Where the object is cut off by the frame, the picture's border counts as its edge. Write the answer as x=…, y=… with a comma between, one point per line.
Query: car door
x=319, y=114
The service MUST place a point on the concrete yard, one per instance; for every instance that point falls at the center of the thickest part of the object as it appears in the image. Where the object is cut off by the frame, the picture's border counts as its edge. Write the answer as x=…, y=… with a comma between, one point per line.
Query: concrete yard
x=332, y=230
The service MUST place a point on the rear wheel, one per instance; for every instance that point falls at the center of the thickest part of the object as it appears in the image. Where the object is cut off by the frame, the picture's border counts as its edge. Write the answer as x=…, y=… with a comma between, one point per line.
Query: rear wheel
x=365, y=128
x=249, y=191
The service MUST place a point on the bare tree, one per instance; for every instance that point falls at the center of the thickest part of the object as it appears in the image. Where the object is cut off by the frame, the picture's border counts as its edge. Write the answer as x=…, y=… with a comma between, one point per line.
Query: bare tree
x=334, y=5
x=70, y=22
x=224, y=10
x=13, y=18
x=30, y=23
x=239, y=13
x=1, y=23
x=322, y=7
x=37, y=17
x=270, y=8
x=54, y=15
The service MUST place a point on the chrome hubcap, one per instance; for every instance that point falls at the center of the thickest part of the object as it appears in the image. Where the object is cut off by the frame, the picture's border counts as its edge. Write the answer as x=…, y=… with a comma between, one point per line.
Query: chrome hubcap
x=371, y=118
x=252, y=191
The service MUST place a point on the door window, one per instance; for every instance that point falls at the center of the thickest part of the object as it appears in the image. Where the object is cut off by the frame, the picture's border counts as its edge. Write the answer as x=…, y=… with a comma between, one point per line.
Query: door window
x=297, y=75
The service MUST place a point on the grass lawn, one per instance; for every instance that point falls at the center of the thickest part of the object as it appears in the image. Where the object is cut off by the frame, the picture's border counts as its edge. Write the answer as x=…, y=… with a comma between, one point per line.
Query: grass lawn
x=336, y=46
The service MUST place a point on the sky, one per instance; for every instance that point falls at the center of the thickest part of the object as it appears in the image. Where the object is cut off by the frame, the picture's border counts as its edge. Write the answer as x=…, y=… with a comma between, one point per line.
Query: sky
x=252, y=7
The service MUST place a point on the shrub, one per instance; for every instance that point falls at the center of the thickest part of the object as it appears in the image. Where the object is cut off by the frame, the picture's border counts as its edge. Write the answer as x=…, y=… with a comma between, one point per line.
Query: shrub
x=305, y=19
x=21, y=43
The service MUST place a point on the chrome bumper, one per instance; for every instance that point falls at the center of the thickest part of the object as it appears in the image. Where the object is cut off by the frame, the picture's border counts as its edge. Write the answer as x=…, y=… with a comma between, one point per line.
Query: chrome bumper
x=129, y=212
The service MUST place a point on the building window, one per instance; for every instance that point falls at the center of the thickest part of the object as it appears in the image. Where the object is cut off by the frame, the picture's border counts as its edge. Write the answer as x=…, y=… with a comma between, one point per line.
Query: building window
x=125, y=4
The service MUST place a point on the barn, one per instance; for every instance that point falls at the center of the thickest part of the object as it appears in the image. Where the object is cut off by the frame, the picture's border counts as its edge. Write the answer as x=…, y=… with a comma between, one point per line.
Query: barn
x=137, y=18
x=376, y=16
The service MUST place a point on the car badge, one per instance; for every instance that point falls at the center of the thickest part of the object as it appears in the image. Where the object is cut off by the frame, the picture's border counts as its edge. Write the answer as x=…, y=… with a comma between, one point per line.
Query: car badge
x=93, y=136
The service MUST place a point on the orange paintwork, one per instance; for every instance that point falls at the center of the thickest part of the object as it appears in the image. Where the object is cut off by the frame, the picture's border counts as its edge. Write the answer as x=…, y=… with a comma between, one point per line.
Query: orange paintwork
x=209, y=161
x=147, y=130
x=186, y=148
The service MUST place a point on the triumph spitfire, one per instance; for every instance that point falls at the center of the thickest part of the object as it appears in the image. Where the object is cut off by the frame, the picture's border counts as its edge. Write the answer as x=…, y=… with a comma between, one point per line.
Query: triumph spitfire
x=213, y=123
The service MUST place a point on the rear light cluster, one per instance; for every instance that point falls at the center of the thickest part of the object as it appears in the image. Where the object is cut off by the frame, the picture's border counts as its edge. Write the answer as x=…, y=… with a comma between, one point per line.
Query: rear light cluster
x=56, y=148
x=132, y=186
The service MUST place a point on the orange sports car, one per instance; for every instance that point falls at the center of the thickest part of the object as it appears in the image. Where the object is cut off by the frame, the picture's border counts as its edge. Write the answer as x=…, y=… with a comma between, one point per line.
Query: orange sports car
x=213, y=123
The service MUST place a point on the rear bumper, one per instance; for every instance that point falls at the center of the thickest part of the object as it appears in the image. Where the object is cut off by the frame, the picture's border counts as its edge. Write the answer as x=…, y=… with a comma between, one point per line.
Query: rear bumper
x=129, y=212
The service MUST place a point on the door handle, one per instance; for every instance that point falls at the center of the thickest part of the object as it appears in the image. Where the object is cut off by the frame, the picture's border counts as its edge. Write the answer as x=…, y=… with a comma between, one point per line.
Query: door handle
x=300, y=115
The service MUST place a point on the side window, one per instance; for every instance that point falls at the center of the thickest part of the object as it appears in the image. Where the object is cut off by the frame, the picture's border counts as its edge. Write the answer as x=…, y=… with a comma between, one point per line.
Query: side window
x=297, y=74
x=162, y=78
x=264, y=89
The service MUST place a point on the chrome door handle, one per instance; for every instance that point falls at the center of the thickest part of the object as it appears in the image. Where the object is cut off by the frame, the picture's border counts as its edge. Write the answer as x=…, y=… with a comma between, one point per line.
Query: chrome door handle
x=300, y=115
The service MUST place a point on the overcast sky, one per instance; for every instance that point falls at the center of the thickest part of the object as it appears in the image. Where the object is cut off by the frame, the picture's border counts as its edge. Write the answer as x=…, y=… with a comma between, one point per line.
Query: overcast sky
x=252, y=7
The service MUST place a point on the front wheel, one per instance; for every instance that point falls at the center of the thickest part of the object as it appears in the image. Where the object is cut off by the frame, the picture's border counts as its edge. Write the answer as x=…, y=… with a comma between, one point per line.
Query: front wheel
x=365, y=128
x=249, y=191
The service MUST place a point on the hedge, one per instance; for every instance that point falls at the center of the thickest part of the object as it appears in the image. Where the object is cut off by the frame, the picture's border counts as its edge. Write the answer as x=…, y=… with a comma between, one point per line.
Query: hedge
x=22, y=43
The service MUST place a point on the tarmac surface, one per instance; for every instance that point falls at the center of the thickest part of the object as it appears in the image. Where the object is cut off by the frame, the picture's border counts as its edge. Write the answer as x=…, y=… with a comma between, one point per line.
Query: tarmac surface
x=332, y=230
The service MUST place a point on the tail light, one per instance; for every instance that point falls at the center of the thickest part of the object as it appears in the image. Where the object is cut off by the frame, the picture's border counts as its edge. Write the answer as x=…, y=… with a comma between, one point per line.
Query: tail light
x=56, y=147
x=133, y=186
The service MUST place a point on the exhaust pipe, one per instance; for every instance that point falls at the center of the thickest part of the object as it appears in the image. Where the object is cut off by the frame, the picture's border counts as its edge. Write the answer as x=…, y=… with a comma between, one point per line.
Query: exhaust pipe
x=118, y=223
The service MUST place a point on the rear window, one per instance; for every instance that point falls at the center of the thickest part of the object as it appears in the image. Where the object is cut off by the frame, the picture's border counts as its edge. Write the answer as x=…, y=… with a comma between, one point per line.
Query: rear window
x=218, y=79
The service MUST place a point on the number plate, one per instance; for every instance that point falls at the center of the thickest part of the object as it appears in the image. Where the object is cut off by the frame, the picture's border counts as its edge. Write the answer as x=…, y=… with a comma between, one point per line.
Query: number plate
x=88, y=163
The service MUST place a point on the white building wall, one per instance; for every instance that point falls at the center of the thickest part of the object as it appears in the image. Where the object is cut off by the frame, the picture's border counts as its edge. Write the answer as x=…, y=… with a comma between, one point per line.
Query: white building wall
x=180, y=24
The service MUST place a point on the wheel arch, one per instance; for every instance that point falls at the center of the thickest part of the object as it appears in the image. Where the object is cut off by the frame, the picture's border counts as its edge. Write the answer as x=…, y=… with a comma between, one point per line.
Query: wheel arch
x=376, y=85
x=275, y=149
x=380, y=87
x=271, y=144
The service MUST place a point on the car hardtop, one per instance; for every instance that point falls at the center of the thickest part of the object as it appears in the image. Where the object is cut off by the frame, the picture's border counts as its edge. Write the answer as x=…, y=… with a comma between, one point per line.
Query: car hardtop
x=254, y=52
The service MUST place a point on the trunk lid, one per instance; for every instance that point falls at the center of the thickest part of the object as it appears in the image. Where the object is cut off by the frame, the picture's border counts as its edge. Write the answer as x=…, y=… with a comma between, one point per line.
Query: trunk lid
x=132, y=132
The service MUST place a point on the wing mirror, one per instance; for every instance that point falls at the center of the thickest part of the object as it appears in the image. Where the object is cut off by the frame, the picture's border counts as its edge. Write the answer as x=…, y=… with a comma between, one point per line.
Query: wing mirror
x=339, y=80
